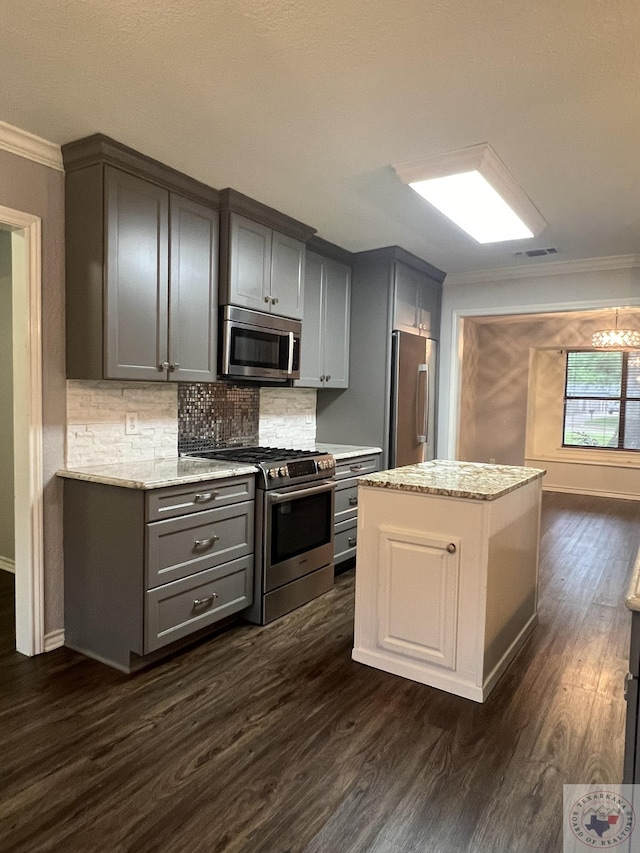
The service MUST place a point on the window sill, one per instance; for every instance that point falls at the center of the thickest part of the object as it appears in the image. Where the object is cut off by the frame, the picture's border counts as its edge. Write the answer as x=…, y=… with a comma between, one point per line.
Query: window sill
x=589, y=457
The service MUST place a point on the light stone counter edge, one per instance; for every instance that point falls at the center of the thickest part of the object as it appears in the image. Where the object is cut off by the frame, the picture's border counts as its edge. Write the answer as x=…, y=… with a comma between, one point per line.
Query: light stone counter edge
x=467, y=480
x=633, y=594
x=158, y=473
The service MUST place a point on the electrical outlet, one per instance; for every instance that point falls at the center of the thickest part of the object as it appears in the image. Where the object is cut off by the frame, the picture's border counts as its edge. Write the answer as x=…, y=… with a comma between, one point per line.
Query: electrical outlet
x=492, y=461
x=131, y=423
x=308, y=416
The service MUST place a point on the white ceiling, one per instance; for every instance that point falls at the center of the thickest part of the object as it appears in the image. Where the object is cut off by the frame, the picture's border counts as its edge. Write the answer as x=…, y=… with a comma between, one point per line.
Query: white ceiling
x=304, y=106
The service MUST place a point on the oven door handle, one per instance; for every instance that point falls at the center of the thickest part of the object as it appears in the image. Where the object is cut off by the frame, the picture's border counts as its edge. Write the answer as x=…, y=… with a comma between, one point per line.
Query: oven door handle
x=294, y=494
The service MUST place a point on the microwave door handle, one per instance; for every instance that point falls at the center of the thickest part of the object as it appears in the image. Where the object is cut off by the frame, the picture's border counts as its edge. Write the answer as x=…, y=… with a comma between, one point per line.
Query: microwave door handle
x=291, y=348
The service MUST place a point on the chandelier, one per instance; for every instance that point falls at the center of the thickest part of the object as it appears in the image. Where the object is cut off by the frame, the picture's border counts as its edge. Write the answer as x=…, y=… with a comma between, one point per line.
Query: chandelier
x=616, y=338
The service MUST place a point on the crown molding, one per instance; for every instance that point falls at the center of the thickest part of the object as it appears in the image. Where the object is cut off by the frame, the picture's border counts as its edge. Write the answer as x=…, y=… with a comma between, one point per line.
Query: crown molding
x=32, y=147
x=614, y=262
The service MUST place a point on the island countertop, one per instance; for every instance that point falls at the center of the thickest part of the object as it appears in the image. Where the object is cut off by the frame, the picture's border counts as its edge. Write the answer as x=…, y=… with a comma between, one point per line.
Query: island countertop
x=157, y=473
x=471, y=480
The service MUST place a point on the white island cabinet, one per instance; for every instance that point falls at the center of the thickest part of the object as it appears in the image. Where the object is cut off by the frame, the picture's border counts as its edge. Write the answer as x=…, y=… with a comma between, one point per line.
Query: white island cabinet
x=447, y=571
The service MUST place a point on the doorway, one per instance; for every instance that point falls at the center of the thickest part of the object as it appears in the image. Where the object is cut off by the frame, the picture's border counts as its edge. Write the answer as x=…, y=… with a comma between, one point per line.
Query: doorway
x=21, y=398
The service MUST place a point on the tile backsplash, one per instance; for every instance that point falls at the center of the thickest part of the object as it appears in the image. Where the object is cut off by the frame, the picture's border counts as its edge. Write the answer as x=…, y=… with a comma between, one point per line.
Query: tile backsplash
x=217, y=414
x=288, y=417
x=96, y=421
x=181, y=416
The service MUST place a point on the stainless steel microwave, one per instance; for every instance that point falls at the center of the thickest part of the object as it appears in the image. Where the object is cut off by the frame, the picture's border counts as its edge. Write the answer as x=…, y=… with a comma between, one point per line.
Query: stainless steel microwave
x=258, y=346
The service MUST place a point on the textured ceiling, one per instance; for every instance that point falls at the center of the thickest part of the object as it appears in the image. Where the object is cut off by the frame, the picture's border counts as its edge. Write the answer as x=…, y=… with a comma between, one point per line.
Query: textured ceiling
x=304, y=106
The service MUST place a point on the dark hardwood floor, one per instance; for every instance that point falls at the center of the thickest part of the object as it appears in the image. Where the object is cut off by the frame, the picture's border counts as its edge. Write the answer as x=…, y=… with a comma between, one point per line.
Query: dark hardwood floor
x=271, y=740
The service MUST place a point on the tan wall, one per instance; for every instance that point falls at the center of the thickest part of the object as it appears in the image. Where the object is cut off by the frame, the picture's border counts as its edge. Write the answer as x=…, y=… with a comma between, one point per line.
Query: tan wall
x=511, y=405
x=7, y=544
x=32, y=188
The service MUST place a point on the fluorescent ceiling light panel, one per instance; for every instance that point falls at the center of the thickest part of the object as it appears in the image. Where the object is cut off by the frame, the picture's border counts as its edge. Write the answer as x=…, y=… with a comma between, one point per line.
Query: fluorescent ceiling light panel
x=474, y=189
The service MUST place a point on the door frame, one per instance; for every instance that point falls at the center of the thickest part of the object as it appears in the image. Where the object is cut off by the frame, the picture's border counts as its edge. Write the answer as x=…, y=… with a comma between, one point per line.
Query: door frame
x=26, y=279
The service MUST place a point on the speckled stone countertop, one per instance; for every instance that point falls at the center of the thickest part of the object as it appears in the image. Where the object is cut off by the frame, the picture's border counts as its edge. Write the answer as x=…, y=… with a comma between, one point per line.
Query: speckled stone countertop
x=346, y=451
x=472, y=480
x=633, y=595
x=157, y=473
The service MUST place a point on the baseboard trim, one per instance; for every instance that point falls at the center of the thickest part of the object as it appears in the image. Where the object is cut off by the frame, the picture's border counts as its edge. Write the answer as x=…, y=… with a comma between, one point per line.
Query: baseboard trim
x=593, y=493
x=8, y=565
x=54, y=640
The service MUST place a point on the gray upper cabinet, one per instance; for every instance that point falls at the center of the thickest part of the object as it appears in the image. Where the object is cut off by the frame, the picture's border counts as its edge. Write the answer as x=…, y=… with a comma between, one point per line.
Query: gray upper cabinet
x=324, y=349
x=267, y=269
x=250, y=284
x=193, y=291
x=262, y=257
x=141, y=267
x=416, y=302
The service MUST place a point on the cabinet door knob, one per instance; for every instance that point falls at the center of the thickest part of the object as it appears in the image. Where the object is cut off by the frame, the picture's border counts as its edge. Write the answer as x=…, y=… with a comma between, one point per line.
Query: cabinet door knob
x=451, y=548
x=274, y=300
x=164, y=365
x=206, y=543
x=209, y=599
x=174, y=365
x=267, y=299
x=351, y=541
x=355, y=468
x=328, y=377
x=353, y=501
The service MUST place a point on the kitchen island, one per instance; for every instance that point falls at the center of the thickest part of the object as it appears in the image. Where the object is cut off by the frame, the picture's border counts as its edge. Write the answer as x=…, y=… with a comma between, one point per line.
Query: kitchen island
x=447, y=571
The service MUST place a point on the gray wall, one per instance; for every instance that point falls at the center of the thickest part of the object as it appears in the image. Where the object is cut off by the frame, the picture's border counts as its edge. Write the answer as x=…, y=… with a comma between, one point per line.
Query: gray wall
x=39, y=190
x=7, y=545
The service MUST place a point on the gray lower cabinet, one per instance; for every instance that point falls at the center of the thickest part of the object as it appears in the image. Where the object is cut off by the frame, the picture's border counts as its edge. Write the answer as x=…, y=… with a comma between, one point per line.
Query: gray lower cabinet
x=324, y=352
x=346, y=502
x=145, y=570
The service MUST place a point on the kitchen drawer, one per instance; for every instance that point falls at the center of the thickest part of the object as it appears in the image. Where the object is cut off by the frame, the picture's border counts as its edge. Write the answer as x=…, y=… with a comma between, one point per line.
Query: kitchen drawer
x=195, y=497
x=346, y=505
x=357, y=466
x=344, y=541
x=178, y=547
x=179, y=608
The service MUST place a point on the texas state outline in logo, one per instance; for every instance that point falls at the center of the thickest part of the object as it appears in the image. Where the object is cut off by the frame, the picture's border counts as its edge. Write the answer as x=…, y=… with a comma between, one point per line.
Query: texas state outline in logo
x=602, y=819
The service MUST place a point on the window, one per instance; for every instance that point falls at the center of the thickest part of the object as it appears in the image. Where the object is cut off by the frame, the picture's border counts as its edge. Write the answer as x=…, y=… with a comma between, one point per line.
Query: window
x=602, y=400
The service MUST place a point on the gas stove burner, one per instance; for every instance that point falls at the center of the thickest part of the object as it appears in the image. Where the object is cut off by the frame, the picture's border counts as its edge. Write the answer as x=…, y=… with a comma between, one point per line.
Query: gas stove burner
x=280, y=466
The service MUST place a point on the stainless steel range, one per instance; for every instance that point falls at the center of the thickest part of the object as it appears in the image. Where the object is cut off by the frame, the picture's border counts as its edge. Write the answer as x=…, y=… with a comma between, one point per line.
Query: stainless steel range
x=294, y=526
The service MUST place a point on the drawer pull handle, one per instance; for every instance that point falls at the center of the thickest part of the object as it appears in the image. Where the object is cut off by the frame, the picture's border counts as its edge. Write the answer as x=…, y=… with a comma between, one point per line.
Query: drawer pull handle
x=353, y=501
x=357, y=467
x=206, y=543
x=203, y=497
x=209, y=599
x=451, y=548
x=351, y=541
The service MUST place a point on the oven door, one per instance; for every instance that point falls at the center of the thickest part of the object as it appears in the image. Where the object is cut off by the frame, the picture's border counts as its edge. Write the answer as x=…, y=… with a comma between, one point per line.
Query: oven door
x=298, y=532
x=259, y=352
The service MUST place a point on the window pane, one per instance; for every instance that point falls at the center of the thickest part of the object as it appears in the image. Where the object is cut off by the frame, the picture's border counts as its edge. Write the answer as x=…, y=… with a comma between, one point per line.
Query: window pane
x=632, y=426
x=633, y=375
x=594, y=374
x=591, y=423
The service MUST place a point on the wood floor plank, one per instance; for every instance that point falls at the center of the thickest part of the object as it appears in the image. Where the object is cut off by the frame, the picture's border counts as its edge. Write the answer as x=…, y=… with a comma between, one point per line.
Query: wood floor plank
x=272, y=740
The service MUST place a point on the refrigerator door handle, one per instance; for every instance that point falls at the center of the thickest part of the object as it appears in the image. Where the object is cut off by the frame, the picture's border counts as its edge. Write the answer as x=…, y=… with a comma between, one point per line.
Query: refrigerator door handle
x=422, y=412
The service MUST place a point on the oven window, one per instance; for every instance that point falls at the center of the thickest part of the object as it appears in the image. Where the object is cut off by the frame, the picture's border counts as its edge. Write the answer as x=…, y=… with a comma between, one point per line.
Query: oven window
x=258, y=349
x=300, y=525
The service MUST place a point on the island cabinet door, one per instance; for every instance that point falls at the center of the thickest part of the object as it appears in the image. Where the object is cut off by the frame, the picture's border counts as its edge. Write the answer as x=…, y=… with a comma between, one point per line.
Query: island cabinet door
x=418, y=595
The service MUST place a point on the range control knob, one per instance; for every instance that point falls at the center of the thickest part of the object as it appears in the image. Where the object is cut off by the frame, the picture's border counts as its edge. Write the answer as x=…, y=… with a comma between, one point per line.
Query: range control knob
x=284, y=471
x=273, y=473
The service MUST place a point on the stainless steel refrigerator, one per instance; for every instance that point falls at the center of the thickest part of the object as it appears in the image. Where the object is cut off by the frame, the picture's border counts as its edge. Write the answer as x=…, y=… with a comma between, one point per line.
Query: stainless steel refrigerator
x=413, y=399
